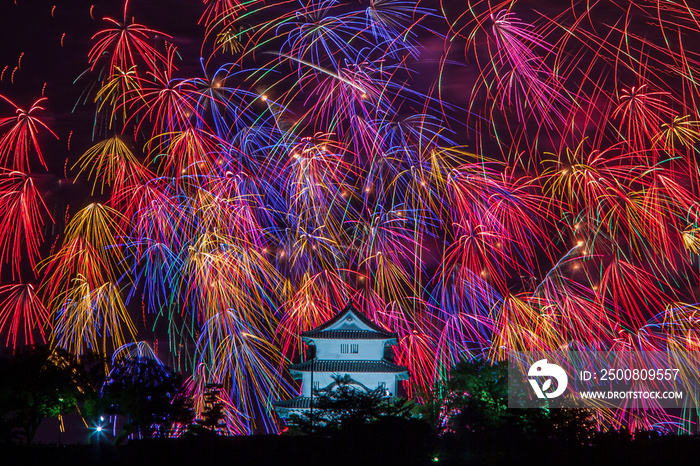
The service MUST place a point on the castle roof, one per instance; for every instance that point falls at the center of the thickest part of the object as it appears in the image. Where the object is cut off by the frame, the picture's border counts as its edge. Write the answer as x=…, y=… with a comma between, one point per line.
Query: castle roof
x=349, y=324
x=347, y=366
x=303, y=402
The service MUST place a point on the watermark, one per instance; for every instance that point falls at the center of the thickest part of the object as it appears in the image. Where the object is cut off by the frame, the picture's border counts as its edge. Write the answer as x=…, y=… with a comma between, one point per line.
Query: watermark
x=542, y=369
x=631, y=380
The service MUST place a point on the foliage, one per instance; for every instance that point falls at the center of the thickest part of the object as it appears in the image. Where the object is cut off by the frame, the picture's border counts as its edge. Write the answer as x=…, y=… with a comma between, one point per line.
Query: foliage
x=475, y=400
x=38, y=383
x=149, y=395
x=472, y=415
x=212, y=419
x=346, y=405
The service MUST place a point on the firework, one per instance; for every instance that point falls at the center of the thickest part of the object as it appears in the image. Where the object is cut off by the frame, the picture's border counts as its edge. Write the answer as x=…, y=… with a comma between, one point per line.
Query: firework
x=24, y=215
x=21, y=307
x=18, y=141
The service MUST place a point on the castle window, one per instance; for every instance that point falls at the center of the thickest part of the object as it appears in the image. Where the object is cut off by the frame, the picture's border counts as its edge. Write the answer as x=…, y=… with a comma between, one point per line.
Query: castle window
x=355, y=348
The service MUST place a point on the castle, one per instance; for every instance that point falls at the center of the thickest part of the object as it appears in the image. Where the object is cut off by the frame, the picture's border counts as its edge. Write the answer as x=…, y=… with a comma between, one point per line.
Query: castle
x=347, y=345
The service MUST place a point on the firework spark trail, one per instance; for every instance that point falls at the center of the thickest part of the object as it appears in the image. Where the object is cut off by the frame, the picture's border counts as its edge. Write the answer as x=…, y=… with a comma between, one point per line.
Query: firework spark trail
x=17, y=143
x=499, y=222
x=24, y=214
x=21, y=307
x=113, y=164
x=199, y=386
x=125, y=45
x=236, y=349
x=90, y=314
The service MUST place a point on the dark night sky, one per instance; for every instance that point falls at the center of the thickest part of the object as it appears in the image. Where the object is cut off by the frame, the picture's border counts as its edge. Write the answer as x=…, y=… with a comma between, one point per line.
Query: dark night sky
x=34, y=30
x=53, y=39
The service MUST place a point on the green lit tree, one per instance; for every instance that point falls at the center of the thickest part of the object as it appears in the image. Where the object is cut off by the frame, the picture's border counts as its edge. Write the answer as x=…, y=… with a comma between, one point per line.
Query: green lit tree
x=38, y=383
x=475, y=399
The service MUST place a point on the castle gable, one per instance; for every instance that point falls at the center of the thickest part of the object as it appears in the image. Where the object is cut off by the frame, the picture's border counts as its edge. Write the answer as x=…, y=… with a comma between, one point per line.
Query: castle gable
x=348, y=325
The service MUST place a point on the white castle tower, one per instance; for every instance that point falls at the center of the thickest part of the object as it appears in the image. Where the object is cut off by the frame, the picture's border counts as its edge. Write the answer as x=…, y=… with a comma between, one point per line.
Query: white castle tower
x=347, y=345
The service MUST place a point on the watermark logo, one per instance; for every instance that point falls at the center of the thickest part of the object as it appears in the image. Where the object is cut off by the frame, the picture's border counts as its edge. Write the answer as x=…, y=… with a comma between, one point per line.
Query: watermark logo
x=603, y=379
x=541, y=369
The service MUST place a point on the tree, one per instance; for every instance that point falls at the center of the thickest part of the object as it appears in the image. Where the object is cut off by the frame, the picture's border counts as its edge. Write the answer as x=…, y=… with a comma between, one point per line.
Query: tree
x=369, y=426
x=346, y=404
x=37, y=383
x=477, y=397
x=212, y=419
x=148, y=395
x=474, y=411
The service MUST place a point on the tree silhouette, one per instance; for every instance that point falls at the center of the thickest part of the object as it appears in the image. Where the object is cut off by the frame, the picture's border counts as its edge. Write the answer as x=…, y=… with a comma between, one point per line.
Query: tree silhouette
x=346, y=404
x=212, y=418
x=37, y=383
x=476, y=399
x=148, y=395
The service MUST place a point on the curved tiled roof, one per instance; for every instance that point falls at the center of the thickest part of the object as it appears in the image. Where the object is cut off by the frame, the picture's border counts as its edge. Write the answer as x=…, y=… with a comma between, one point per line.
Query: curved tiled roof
x=299, y=402
x=346, y=366
x=376, y=332
x=349, y=335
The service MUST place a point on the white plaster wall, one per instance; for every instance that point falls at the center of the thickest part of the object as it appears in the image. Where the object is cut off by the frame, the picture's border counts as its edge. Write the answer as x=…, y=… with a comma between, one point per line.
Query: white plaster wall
x=369, y=350
x=369, y=380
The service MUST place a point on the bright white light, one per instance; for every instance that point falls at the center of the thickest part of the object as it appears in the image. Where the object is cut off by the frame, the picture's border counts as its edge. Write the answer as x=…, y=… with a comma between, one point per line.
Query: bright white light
x=98, y=428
